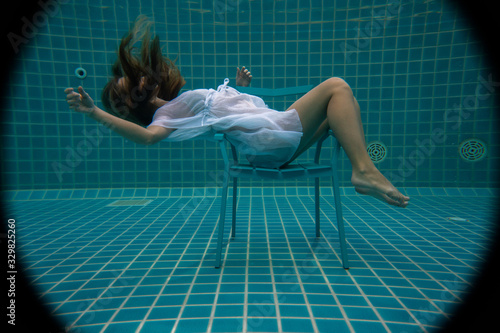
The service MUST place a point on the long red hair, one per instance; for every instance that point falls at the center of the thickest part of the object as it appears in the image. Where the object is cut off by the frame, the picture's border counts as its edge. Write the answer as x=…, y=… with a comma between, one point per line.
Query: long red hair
x=147, y=73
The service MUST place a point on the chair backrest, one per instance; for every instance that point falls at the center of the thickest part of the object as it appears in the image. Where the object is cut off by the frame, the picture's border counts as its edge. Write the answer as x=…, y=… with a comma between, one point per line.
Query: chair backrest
x=275, y=92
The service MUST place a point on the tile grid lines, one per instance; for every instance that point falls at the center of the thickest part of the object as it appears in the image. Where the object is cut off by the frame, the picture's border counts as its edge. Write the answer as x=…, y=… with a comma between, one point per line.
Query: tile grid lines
x=21, y=228
x=221, y=269
x=25, y=249
x=430, y=241
x=389, y=35
x=257, y=204
x=190, y=5
x=370, y=227
x=384, y=283
x=438, y=235
x=463, y=245
x=72, y=242
x=464, y=209
x=52, y=217
x=459, y=236
x=300, y=215
x=69, y=273
x=466, y=213
x=271, y=268
x=348, y=272
x=189, y=291
x=375, y=208
x=247, y=259
x=53, y=241
x=219, y=282
x=297, y=270
x=340, y=306
x=105, y=193
x=81, y=287
x=409, y=281
x=122, y=273
x=176, y=266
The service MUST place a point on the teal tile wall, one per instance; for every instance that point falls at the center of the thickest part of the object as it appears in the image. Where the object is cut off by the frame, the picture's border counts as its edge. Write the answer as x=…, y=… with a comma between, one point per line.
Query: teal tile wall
x=416, y=68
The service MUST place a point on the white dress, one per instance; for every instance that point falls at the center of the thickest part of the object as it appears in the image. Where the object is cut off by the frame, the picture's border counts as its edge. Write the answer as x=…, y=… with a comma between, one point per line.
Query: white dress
x=268, y=138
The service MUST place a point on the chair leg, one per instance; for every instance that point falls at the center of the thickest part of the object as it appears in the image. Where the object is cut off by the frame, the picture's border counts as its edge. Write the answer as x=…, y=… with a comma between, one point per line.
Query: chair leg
x=222, y=217
x=235, y=201
x=338, y=204
x=340, y=221
x=316, y=205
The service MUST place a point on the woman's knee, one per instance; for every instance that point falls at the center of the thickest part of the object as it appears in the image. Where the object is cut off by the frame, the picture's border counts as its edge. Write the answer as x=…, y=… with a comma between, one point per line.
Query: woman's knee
x=338, y=84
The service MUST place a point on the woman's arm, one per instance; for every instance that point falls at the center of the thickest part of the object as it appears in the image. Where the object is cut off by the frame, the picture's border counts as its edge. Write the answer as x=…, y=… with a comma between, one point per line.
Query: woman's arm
x=129, y=130
x=81, y=102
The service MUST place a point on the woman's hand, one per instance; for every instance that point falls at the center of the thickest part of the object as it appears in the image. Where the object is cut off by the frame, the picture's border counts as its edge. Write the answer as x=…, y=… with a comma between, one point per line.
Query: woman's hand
x=79, y=101
x=243, y=77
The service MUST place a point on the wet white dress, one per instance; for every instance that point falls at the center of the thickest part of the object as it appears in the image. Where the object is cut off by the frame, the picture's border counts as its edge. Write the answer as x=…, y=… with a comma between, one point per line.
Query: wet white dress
x=268, y=138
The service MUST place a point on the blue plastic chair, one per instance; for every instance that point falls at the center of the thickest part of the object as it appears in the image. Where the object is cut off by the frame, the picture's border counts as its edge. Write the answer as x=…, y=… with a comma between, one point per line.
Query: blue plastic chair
x=315, y=170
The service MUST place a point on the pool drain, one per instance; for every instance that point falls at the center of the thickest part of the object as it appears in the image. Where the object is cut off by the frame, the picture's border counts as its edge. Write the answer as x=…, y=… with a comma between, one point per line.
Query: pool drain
x=377, y=151
x=80, y=73
x=472, y=150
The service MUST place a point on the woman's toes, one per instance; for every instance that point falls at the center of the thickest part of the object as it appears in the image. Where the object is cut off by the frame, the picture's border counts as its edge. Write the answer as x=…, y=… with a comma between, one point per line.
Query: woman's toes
x=379, y=187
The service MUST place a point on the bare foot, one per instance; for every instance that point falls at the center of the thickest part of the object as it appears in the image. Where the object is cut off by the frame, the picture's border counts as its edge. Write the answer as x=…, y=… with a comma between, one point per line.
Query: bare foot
x=373, y=183
x=243, y=77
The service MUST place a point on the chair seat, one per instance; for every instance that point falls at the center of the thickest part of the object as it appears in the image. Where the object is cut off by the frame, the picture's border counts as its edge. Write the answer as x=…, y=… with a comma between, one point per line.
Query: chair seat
x=306, y=170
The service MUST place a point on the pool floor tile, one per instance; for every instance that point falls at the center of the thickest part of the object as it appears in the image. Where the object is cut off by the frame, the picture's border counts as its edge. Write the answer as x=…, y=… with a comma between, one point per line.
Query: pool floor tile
x=297, y=325
x=149, y=268
x=260, y=324
x=368, y=326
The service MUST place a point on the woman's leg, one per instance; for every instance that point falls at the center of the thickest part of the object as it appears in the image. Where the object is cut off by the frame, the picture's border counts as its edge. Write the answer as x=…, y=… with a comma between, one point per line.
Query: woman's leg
x=334, y=102
x=305, y=145
x=323, y=128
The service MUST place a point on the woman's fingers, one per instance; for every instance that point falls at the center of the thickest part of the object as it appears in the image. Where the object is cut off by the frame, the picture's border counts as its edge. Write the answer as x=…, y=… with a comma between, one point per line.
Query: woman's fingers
x=83, y=92
x=72, y=95
x=243, y=77
x=245, y=71
x=72, y=98
x=79, y=100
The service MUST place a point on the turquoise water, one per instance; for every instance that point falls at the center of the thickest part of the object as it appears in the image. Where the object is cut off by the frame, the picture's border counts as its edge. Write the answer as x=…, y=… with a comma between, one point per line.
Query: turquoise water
x=426, y=96
x=415, y=67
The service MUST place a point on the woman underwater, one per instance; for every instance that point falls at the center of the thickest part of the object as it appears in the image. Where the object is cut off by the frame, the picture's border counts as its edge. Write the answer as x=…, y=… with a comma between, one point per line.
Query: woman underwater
x=143, y=106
